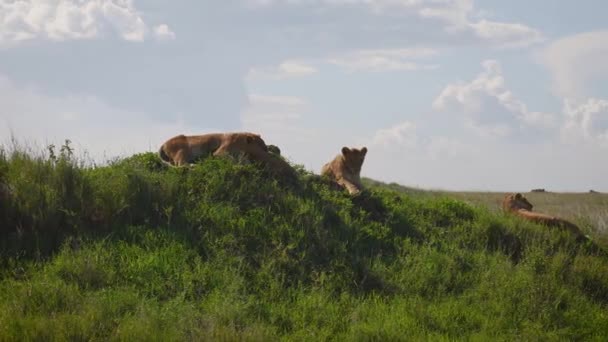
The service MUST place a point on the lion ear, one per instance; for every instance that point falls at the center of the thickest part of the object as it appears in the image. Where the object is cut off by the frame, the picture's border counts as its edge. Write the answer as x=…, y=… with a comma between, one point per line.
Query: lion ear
x=364, y=150
x=345, y=150
x=518, y=196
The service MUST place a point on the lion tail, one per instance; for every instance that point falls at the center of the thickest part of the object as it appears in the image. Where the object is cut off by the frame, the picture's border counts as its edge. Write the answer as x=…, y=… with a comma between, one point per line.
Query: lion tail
x=163, y=156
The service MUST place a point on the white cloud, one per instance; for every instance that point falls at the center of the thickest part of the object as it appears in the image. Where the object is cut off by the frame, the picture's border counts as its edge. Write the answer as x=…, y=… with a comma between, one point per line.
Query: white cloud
x=466, y=162
x=384, y=60
x=453, y=12
x=370, y=60
x=102, y=130
x=402, y=134
x=163, y=32
x=379, y=4
x=60, y=20
x=586, y=121
x=457, y=16
x=287, y=69
x=506, y=35
x=490, y=108
x=575, y=61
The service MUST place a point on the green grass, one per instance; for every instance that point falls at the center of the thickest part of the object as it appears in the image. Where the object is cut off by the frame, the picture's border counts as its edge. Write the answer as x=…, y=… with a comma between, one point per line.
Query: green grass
x=588, y=210
x=223, y=251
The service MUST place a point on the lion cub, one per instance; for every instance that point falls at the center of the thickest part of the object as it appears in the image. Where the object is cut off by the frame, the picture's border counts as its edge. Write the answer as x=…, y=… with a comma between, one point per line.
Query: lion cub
x=345, y=169
x=519, y=205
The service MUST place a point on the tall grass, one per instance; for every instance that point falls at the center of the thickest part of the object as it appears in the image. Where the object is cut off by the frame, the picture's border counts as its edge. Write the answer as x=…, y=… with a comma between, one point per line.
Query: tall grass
x=138, y=251
x=589, y=210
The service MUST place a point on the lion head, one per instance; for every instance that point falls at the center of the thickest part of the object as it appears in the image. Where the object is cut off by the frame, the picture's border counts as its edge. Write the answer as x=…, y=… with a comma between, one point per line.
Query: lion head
x=516, y=202
x=255, y=140
x=354, y=158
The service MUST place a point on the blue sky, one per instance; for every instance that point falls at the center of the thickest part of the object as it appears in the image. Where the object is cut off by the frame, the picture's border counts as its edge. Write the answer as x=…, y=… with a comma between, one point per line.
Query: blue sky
x=450, y=94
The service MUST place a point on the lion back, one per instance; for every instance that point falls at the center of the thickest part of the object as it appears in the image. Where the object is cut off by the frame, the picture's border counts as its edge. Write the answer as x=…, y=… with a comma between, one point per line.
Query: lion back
x=332, y=168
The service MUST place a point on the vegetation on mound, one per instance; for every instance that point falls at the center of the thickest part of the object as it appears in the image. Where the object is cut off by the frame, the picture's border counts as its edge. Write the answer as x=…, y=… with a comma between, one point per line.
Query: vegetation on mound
x=137, y=250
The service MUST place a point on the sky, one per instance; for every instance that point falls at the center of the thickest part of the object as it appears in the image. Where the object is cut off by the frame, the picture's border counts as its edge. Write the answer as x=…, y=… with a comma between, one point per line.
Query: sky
x=481, y=95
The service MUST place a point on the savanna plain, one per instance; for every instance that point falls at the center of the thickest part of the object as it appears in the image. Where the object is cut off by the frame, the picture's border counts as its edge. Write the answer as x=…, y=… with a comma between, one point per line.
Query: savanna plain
x=136, y=250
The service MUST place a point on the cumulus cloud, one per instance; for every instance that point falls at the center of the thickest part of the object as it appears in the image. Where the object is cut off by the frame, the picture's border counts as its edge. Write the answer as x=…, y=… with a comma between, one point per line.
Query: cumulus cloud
x=287, y=69
x=61, y=20
x=489, y=107
x=575, y=61
x=587, y=121
x=458, y=162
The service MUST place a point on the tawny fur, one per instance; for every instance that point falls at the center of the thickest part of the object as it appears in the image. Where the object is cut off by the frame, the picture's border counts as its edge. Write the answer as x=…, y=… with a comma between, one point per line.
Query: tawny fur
x=518, y=205
x=345, y=169
x=183, y=150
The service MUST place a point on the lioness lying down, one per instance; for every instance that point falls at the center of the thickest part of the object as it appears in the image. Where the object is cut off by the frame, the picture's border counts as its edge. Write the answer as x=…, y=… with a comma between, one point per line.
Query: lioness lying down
x=345, y=169
x=183, y=150
x=519, y=205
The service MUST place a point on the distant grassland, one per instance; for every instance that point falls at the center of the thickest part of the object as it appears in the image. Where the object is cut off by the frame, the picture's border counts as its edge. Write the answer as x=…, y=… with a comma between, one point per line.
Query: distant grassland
x=588, y=210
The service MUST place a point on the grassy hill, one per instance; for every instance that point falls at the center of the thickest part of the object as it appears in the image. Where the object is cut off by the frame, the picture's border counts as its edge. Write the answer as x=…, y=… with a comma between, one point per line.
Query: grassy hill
x=138, y=251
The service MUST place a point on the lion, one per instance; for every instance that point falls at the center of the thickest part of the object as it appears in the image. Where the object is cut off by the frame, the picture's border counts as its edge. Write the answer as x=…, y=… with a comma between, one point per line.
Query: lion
x=183, y=150
x=519, y=205
x=345, y=169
